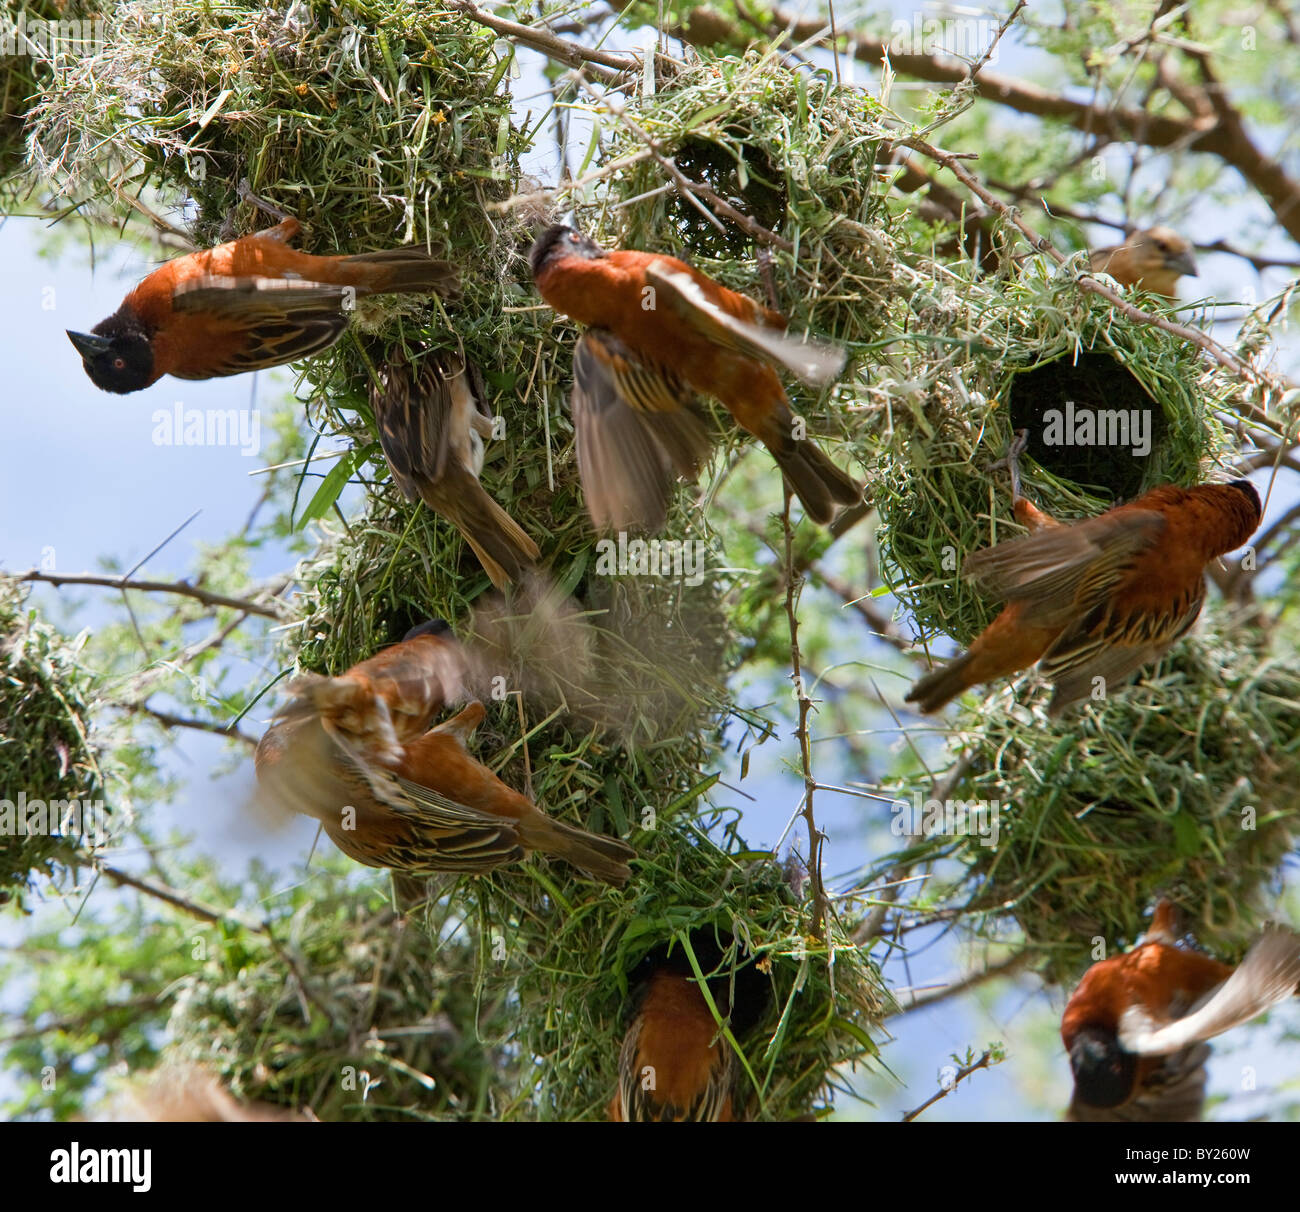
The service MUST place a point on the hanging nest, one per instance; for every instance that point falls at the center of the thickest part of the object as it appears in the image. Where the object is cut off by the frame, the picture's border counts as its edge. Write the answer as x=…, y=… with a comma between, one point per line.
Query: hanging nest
x=47, y=755
x=1182, y=785
x=732, y=916
x=788, y=149
x=359, y=1014
x=1028, y=348
x=39, y=39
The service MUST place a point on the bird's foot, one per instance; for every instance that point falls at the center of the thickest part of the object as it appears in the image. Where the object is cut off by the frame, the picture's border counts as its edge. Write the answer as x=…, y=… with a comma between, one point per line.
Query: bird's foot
x=246, y=194
x=1011, y=461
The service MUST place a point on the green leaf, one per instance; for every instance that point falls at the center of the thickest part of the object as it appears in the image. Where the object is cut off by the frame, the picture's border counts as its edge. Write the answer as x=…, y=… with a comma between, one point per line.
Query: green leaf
x=331, y=486
x=707, y=114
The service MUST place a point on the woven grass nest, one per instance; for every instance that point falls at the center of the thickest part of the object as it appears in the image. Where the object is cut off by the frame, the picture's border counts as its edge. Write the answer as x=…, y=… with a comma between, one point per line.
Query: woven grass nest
x=47, y=702
x=361, y=1014
x=1030, y=347
x=1182, y=785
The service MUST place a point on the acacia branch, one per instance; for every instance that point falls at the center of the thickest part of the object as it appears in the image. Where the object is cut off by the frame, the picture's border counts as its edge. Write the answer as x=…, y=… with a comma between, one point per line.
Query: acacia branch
x=168, y=720
x=947, y=1088
x=178, y=900
x=815, y=837
x=183, y=588
x=603, y=65
x=972, y=980
x=1215, y=129
x=1223, y=356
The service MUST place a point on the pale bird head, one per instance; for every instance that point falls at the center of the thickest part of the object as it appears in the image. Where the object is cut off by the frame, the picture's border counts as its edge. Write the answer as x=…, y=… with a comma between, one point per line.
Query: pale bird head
x=1162, y=248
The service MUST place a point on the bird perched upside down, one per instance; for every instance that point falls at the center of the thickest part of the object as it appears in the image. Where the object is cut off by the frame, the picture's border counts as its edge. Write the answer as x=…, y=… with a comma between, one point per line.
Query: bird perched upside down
x=673, y=1068
x=1153, y=259
x=245, y=305
x=660, y=331
x=432, y=421
x=352, y=753
x=1136, y=1026
x=1096, y=599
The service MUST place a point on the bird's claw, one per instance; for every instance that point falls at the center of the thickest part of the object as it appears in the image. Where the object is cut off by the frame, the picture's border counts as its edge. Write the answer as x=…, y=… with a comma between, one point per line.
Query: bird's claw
x=1011, y=460
x=245, y=193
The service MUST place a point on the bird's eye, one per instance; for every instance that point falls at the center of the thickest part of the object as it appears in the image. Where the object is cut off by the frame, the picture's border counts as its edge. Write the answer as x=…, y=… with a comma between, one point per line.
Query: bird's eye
x=1162, y=245
x=119, y=363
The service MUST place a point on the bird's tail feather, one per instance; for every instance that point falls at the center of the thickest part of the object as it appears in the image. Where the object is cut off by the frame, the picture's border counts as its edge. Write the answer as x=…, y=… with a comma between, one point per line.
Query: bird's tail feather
x=815, y=479
x=942, y=685
x=406, y=270
x=603, y=858
x=501, y=544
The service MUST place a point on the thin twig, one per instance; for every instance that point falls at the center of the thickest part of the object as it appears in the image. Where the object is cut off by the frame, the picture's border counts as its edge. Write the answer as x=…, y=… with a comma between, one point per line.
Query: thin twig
x=183, y=588
x=691, y=190
x=979, y=64
x=1041, y=244
x=179, y=900
x=176, y=721
x=816, y=838
x=1005, y=967
x=604, y=65
x=872, y=924
x=948, y=1087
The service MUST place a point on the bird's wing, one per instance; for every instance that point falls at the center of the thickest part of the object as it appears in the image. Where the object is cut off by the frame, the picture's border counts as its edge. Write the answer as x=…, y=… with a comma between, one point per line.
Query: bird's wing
x=276, y=320
x=1269, y=974
x=443, y=834
x=1062, y=571
x=1173, y=1092
x=637, y=430
x=813, y=362
x=1107, y=644
x=1073, y=672
x=385, y=700
x=298, y=772
x=412, y=410
x=631, y=1096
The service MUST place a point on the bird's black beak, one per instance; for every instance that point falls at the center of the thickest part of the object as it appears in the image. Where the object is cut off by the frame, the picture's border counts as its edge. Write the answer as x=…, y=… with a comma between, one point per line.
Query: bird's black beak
x=1184, y=263
x=88, y=345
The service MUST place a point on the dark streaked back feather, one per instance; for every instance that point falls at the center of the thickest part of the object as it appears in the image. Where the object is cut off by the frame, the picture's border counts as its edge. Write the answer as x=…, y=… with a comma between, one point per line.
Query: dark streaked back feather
x=281, y=319
x=1061, y=571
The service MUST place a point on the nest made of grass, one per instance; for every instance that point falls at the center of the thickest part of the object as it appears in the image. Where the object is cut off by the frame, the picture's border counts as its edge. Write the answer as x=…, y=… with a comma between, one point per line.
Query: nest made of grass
x=1182, y=785
x=800, y=1007
x=47, y=701
x=937, y=498
x=356, y=1011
